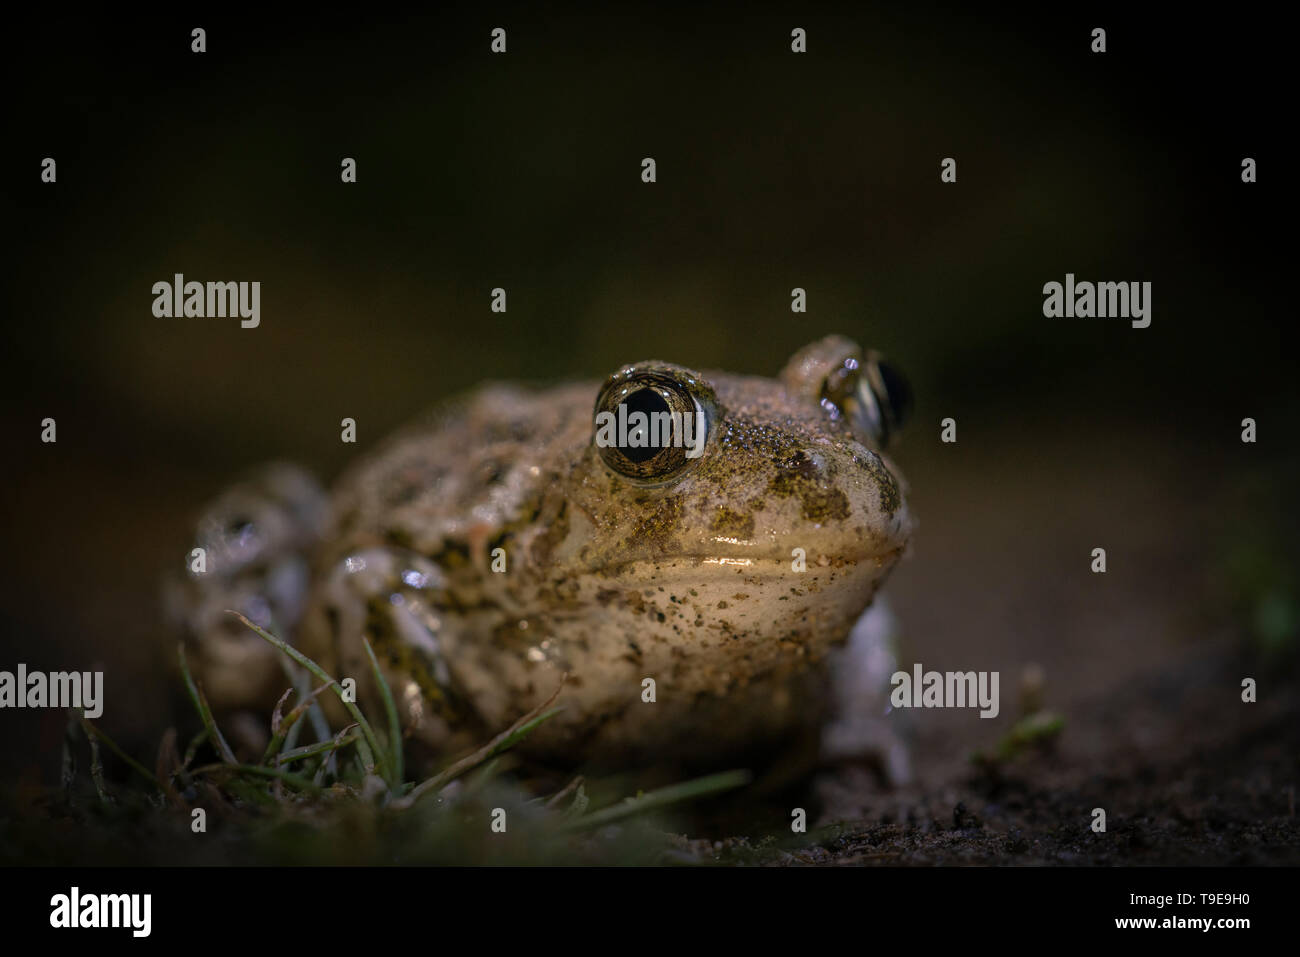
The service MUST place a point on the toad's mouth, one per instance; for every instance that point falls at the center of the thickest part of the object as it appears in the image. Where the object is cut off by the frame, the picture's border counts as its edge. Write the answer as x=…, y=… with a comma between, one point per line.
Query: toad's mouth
x=727, y=610
x=714, y=564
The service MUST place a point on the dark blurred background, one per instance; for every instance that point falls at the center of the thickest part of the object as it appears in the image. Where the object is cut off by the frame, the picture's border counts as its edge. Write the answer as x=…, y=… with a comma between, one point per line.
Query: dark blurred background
x=775, y=170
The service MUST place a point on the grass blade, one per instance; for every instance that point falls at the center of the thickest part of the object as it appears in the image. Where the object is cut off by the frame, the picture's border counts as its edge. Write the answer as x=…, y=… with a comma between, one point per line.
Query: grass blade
x=258, y=771
x=329, y=765
x=97, y=770
x=112, y=746
x=193, y=748
x=319, y=672
x=280, y=742
x=205, y=713
x=320, y=747
x=69, y=769
x=685, y=791
x=503, y=741
x=301, y=682
x=394, y=725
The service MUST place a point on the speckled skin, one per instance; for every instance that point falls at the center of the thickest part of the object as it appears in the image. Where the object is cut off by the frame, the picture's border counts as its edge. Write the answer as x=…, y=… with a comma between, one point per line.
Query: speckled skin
x=689, y=582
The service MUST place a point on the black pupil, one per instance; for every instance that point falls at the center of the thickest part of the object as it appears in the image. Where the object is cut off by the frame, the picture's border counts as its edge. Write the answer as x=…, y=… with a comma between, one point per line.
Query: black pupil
x=650, y=402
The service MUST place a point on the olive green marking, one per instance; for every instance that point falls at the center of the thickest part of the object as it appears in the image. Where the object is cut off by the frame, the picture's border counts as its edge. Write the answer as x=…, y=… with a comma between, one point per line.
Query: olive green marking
x=406, y=660
x=733, y=524
x=816, y=503
x=890, y=496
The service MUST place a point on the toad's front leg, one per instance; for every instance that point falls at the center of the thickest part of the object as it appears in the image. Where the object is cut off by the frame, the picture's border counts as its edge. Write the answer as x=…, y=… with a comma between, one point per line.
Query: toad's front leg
x=397, y=600
x=863, y=727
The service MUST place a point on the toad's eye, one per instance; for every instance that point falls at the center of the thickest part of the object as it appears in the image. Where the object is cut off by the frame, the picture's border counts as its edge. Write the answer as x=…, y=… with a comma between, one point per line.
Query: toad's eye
x=872, y=395
x=650, y=423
